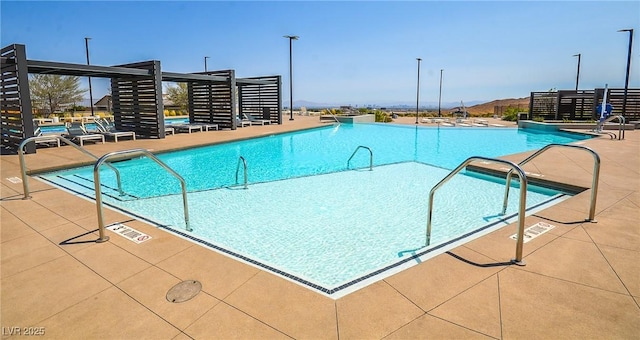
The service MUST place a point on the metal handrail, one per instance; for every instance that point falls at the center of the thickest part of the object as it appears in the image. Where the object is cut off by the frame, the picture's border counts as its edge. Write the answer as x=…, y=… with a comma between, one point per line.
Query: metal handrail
x=244, y=162
x=523, y=199
x=594, y=181
x=370, y=156
x=133, y=152
x=621, y=124
x=23, y=168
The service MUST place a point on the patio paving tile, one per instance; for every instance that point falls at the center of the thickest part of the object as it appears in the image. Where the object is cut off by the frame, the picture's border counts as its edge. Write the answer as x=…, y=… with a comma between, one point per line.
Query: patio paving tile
x=451, y=275
x=33, y=295
x=575, y=261
x=477, y=308
x=293, y=310
x=26, y=252
x=109, y=314
x=150, y=288
x=111, y=262
x=626, y=265
x=12, y=226
x=220, y=275
x=374, y=312
x=430, y=327
x=226, y=322
x=537, y=306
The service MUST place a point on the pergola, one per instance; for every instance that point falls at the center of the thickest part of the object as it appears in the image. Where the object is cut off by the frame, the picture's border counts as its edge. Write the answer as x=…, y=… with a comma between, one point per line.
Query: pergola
x=215, y=97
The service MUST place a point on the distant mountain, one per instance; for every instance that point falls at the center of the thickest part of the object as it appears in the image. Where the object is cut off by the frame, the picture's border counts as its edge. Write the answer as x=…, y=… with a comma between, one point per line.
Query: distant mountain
x=489, y=106
x=394, y=105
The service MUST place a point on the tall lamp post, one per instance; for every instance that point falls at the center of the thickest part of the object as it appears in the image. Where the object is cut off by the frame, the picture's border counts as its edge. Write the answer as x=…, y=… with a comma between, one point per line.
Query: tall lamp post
x=418, y=90
x=86, y=46
x=205, y=64
x=578, y=72
x=626, y=81
x=291, y=39
x=440, y=95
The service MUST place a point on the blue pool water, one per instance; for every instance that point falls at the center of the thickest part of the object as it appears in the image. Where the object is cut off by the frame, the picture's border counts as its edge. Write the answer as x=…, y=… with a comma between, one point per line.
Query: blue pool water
x=305, y=213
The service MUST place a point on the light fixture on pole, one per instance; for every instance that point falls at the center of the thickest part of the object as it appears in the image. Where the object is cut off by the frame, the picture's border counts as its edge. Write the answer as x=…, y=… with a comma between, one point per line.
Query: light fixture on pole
x=440, y=95
x=418, y=90
x=291, y=39
x=578, y=73
x=86, y=46
x=626, y=81
x=205, y=64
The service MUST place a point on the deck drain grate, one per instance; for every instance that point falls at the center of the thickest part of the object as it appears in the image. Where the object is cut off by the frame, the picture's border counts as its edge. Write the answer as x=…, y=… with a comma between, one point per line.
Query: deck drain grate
x=184, y=291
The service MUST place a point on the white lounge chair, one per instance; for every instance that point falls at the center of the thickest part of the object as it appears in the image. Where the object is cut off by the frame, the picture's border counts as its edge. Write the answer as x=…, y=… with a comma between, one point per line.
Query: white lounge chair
x=255, y=121
x=77, y=133
x=44, y=139
x=108, y=129
x=186, y=127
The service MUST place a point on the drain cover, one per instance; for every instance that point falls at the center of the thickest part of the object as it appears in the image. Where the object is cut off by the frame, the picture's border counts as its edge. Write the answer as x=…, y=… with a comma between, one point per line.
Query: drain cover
x=184, y=291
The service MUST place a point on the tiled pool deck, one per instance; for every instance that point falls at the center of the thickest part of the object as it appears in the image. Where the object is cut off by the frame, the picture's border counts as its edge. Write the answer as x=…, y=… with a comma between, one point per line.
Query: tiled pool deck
x=581, y=281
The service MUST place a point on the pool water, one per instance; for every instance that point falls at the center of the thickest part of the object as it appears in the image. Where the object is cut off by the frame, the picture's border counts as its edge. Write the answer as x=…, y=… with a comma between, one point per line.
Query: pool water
x=308, y=215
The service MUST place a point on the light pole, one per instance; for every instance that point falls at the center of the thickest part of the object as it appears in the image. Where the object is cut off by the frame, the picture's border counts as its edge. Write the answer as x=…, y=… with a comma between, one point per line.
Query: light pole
x=440, y=95
x=205, y=64
x=626, y=81
x=86, y=46
x=418, y=90
x=578, y=73
x=291, y=39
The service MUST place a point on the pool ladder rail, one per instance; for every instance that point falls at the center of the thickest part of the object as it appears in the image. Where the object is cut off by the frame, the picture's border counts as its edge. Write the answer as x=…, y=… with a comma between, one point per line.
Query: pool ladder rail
x=244, y=167
x=594, y=180
x=23, y=167
x=370, y=156
x=521, y=209
x=133, y=152
x=621, y=127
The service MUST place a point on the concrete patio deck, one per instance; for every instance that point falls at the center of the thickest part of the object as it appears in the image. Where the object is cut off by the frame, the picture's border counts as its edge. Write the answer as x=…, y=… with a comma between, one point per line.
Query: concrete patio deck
x=581, y=281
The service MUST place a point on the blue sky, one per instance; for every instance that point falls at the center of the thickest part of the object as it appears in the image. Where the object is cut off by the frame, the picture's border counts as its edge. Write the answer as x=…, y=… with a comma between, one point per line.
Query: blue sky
x=358, y=53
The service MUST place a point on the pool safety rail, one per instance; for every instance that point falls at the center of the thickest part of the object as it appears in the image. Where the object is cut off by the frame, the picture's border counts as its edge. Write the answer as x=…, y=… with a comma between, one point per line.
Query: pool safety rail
x=370, y=156
x=244, y=168
x=132, y=153
x=621, y=125
x=521, y=209
x=594, y=180
x=23, y=168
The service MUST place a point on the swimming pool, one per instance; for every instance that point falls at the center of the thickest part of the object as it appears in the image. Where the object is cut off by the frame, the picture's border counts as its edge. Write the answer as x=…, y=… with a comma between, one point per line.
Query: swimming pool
x=308, y=217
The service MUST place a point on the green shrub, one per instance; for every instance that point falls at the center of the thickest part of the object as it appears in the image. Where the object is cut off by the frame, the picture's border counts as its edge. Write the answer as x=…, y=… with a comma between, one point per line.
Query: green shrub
x=382, y=117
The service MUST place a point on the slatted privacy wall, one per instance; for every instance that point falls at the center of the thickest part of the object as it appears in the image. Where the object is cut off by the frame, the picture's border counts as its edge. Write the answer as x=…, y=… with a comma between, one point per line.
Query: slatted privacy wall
x=213, y=102
x=260, y=97
x=582, y=104
x=15, y=112
x=137, y=101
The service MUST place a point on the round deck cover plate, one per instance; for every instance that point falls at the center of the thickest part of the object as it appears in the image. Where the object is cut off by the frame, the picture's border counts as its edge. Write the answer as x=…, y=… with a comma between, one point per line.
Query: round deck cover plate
x=184, y=291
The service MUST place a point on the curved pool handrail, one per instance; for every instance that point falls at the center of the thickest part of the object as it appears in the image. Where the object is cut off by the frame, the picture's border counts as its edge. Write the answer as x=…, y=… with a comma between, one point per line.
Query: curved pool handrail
x=23, y=167
x=244, y=165
x=133, y=152
x=594, y=180
x=521, y=211
x=370, y=156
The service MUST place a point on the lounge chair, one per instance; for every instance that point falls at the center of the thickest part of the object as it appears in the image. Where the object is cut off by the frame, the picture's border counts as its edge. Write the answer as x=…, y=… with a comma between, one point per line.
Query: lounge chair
x=186, y=127
x=242, y=122
x=77, y=133
x=255, y=121
x=108, y=129
x=46, y=140
x=207, y=126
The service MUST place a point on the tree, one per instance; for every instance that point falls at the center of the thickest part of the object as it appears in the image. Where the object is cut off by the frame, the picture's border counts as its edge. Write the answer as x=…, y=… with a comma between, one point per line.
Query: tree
x=49, y=91
x=179, y=95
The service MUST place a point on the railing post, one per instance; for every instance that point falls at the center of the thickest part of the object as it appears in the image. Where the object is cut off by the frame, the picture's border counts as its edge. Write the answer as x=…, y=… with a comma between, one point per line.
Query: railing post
x=594, y=181
x=521, y=211
x=370, y=156
x=23, y=167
